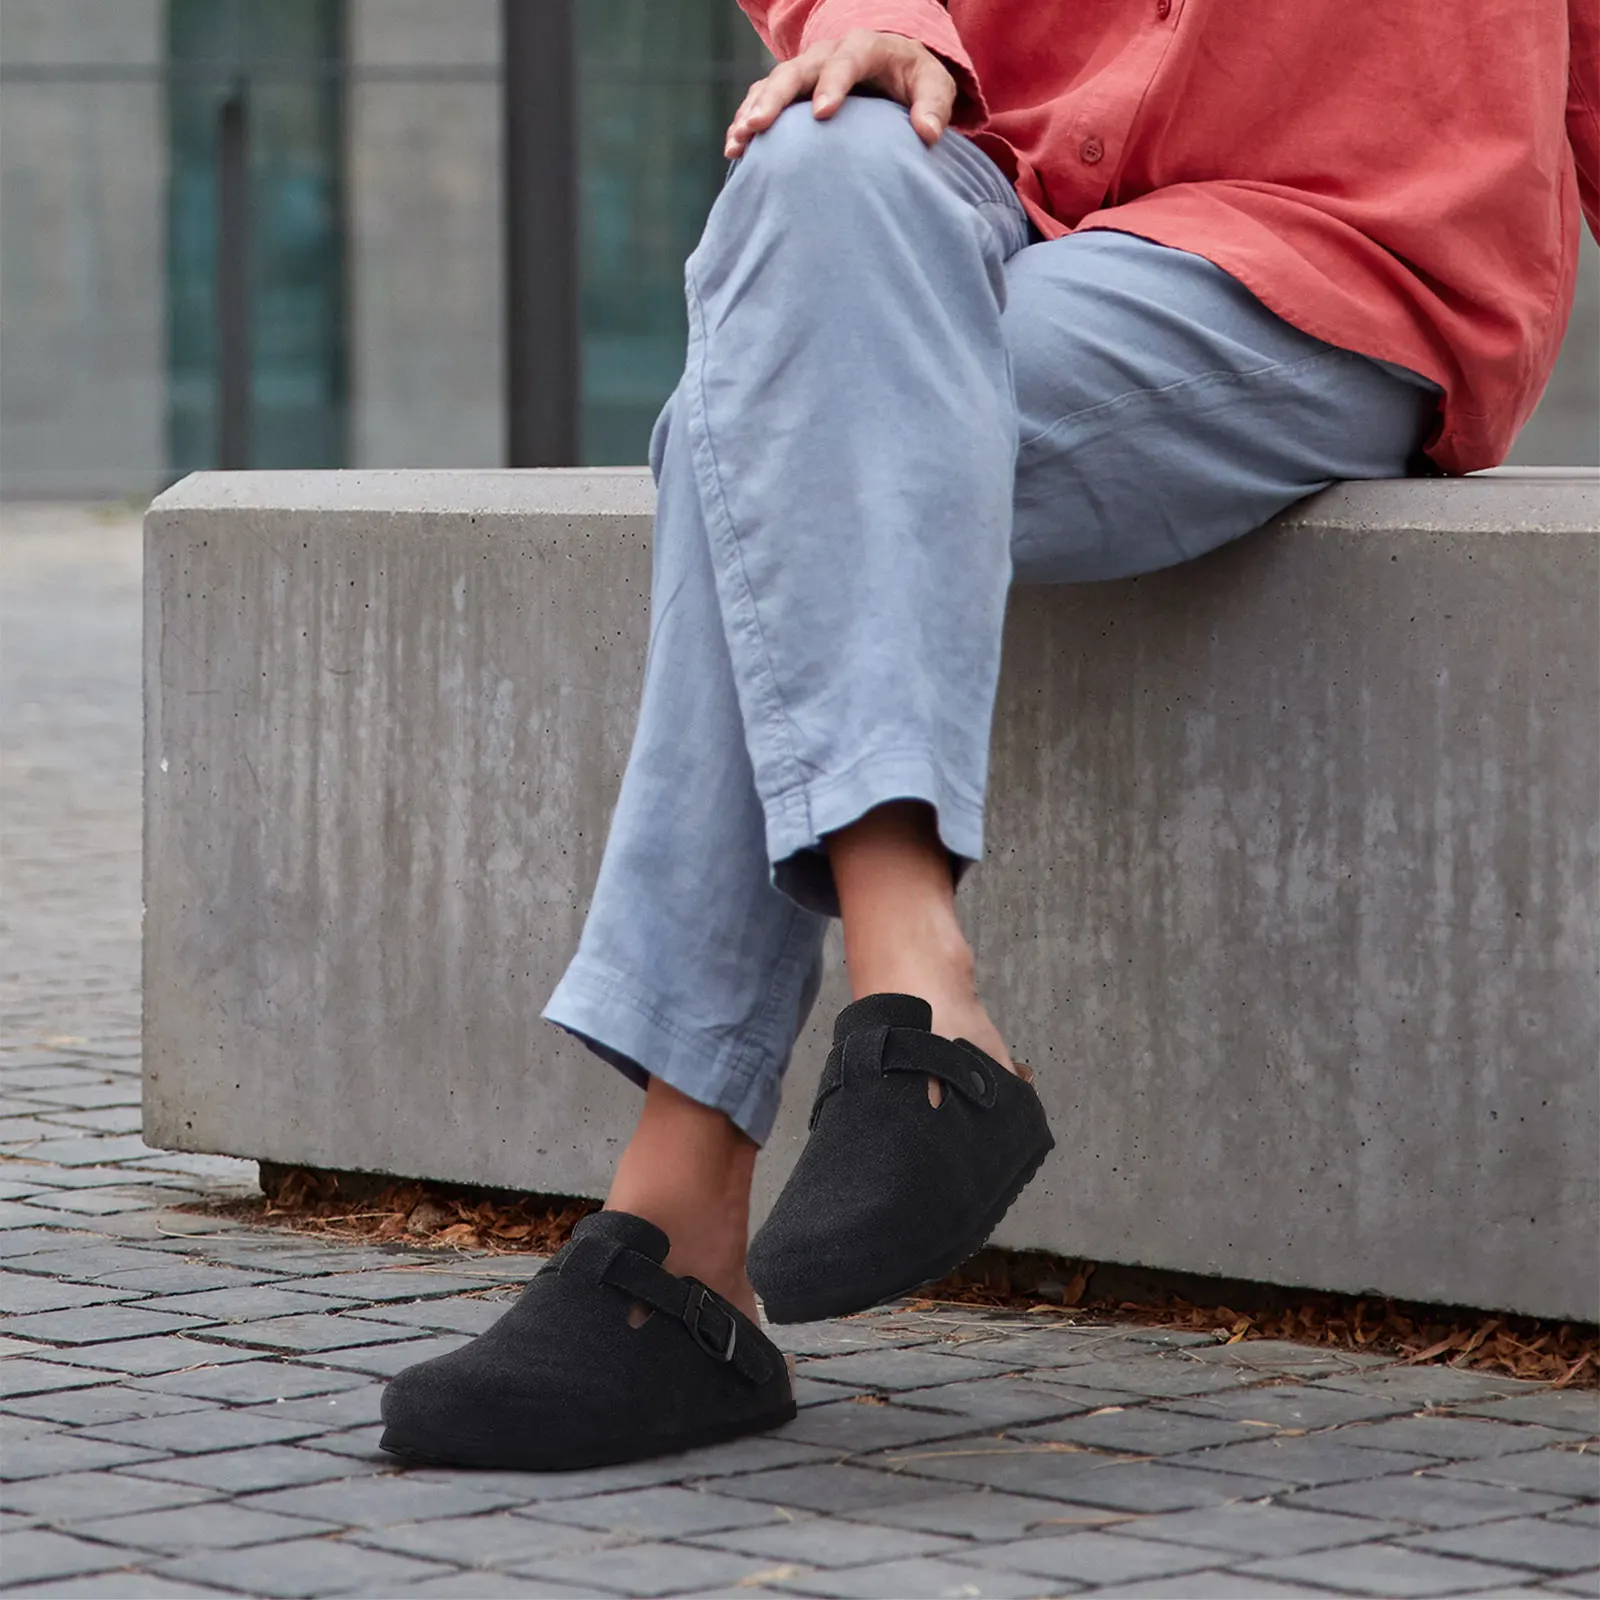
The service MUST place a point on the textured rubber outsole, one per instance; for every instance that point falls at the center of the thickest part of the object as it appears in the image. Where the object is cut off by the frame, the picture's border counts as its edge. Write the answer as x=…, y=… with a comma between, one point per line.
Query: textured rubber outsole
x=476, y=1452
x=836, y=1300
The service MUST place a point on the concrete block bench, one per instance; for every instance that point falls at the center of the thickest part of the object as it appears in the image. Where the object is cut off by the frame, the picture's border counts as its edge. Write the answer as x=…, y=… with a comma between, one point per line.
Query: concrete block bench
x=1291, y=899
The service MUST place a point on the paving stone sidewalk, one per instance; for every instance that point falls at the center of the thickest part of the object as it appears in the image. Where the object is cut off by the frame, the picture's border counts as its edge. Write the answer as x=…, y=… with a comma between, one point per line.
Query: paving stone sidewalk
x=188, y=1406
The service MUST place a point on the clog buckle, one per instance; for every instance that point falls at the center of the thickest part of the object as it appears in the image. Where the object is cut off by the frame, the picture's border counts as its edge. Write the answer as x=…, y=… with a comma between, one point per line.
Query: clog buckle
x=700, y=1298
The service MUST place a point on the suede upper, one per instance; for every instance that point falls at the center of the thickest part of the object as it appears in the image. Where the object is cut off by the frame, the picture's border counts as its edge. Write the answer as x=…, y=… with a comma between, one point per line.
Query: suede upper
x=564, y=1379
x=890, y=1190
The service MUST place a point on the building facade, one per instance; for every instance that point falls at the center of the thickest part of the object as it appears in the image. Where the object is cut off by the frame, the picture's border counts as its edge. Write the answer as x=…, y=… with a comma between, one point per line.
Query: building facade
x=270, y=232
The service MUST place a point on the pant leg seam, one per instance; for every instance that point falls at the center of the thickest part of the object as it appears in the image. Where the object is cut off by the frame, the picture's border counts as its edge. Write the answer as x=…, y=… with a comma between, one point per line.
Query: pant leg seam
x=1217, y=377
x=775, y=713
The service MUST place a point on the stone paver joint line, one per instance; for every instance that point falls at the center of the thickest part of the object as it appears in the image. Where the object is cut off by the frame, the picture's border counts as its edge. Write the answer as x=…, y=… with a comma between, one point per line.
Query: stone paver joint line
x=190, y=1407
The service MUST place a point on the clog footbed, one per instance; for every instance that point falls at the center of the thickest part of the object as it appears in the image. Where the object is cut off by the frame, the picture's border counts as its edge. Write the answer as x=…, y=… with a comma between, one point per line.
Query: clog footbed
x=891, y=1190
x=605, y=1357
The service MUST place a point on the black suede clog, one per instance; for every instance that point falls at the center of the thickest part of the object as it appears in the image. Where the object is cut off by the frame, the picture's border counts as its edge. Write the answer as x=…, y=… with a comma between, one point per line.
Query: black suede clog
x=891, y=1191
x=572, y=1376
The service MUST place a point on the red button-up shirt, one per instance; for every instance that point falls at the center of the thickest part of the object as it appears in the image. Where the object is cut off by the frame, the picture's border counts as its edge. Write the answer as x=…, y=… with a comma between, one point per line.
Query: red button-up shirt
x=1398, y=178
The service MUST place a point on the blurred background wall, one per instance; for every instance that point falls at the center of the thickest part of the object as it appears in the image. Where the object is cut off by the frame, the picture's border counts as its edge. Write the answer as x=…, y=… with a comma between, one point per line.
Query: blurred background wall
x=367, y=293
x=83, y=304
x=426, y=271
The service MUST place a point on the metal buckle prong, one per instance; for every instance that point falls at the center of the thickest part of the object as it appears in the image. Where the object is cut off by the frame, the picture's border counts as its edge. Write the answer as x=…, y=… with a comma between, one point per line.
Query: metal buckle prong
x=692, y=1312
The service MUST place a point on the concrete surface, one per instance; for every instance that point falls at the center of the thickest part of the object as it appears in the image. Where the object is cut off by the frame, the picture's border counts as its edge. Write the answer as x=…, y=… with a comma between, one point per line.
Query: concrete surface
x=1291, y=897
x=188, y=1407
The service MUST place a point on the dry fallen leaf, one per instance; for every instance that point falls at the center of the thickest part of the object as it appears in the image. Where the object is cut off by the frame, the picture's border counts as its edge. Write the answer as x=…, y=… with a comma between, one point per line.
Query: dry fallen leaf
x=1041, y=1447
x=1087, y=1522
x=351, y=1207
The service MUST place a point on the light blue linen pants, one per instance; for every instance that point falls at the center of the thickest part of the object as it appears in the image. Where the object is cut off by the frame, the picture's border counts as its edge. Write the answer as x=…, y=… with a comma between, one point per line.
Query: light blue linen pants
x=893, y=404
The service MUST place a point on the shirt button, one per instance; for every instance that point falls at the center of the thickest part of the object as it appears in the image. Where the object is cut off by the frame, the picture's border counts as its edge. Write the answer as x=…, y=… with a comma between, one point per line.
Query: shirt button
x=1091, y=150
x=1163, y=9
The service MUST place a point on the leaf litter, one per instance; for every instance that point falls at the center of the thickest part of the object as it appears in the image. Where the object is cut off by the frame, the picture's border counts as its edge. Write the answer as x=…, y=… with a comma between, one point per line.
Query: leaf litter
x=355, y=1207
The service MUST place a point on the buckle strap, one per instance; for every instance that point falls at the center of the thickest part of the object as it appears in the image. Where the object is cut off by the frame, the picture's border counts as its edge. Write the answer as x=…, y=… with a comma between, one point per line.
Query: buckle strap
x=963, y=1066
x=711, y=1324
x=586, y=1257
x=859, y=1051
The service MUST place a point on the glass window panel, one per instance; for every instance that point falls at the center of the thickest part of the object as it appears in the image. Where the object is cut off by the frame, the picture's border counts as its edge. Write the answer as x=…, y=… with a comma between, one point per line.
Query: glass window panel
x=283, y=55
x=658, y=81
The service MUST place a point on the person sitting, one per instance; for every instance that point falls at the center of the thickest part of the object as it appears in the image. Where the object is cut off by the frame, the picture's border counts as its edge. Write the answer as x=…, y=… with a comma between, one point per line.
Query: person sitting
x=994, y=293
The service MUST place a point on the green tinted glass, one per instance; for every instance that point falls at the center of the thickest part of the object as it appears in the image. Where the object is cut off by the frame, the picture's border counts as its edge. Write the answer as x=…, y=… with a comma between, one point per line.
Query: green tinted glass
x=659, y=80
x=279, y=58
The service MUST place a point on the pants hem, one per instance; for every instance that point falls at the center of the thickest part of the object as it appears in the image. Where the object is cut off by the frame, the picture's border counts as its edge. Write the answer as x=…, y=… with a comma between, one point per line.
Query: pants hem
x=798, y=819
x=627, y=1026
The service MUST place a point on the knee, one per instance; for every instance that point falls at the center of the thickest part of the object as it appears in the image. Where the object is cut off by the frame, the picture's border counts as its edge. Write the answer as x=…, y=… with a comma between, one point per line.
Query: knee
x=868, y=147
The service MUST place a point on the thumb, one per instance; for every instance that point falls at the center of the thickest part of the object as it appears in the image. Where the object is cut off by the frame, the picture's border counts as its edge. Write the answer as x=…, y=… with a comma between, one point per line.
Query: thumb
x=932, y=97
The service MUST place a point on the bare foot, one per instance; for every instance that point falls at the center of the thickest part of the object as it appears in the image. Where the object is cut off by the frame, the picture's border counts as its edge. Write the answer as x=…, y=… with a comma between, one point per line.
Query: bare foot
x=966, y=1018
x=901, y=932
x=969, y=1021
x=733, y=1285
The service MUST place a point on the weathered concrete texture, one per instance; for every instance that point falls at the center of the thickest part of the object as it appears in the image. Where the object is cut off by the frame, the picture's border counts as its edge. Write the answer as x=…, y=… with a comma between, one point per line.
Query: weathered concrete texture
x=1291, y=895
x=239, y=1453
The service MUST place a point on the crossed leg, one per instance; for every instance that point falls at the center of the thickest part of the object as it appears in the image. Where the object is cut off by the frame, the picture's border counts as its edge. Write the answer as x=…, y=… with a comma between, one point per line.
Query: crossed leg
x=893, y=401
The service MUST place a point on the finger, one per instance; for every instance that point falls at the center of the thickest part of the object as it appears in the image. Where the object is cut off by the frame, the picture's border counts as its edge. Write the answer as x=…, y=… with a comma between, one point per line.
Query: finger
x=744, y=106
x=778, y=89
x=741, y=129
x=749, y=99
x=734, y=140
x=933, y=99
x=754, y=98
x=840, y=73
x=767, y=99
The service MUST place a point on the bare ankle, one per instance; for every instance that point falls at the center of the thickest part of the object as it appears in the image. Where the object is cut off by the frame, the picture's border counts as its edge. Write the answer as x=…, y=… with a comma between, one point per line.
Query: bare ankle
x=688, y=1169
x=901, y=931
x=928, y=960
x=973, y=1023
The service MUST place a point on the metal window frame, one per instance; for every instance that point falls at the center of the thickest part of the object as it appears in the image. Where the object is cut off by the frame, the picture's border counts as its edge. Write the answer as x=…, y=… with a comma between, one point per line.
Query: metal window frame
x=540, y=166
x=539, y=80
x=235, y=362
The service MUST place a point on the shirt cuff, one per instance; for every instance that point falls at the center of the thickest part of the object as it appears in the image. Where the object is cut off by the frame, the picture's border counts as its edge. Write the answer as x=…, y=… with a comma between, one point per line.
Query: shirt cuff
x=927, y=22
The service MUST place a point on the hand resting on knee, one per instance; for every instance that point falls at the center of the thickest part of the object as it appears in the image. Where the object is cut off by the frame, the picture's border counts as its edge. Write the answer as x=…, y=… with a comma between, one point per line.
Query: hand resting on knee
x=901, y=68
